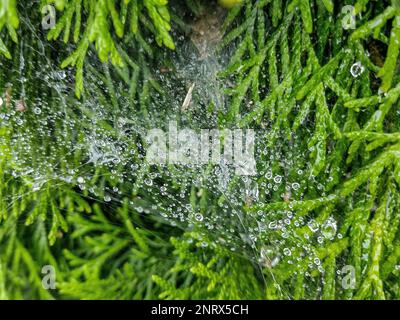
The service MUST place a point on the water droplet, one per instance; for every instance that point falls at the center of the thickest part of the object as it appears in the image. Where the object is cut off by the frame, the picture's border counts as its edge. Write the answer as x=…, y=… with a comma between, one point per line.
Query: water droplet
x=356, y=69
x=268, y=175
x=272, y=225
x=37, y=110
x=313, y=225
x=287, y=252
x=329, y=228
x=199, y=217
x=295, y=186
x=277, y=179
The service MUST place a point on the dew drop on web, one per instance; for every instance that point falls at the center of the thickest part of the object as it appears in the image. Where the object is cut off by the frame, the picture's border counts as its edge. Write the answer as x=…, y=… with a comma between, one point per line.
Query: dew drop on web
x=356, y=69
